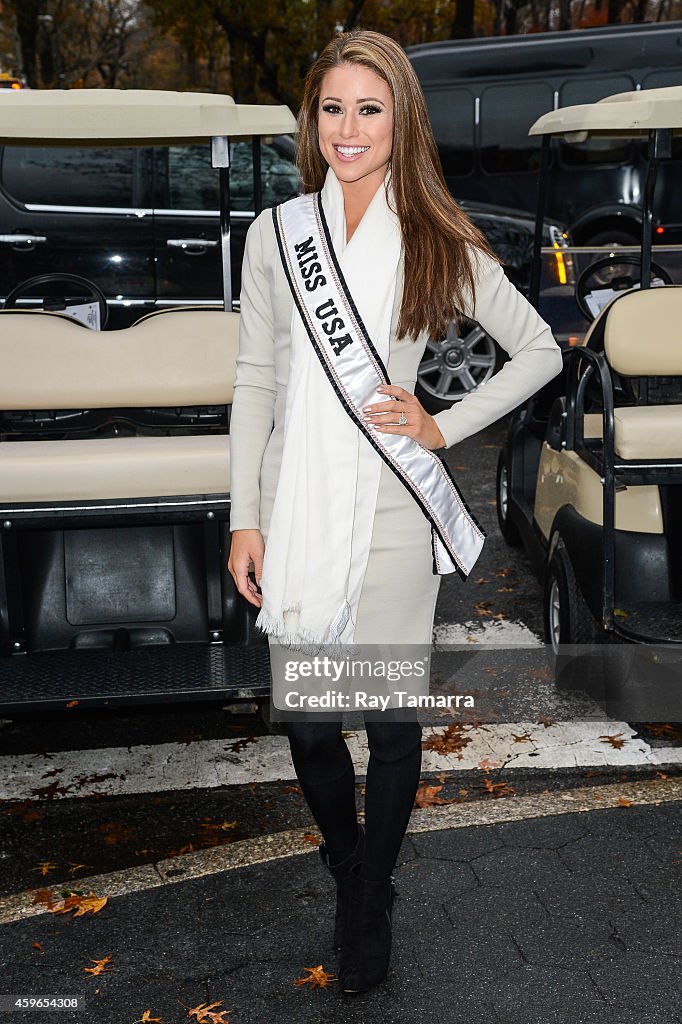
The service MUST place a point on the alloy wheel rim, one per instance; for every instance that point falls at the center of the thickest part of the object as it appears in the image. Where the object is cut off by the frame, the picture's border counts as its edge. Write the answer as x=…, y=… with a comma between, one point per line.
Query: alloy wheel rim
x=459, y=363
x=503, y=492
x=554, y=616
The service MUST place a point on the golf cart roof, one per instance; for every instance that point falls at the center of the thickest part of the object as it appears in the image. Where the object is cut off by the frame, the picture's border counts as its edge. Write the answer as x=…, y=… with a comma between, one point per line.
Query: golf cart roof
x=628, y=114
x=130, y=117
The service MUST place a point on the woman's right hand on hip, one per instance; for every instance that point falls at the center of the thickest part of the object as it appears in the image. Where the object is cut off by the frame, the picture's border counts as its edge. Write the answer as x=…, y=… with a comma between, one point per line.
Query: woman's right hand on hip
x=247, y=546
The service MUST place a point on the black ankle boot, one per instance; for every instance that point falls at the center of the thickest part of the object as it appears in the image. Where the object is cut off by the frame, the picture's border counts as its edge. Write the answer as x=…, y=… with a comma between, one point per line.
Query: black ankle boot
x=341, y=873
x=367, y=946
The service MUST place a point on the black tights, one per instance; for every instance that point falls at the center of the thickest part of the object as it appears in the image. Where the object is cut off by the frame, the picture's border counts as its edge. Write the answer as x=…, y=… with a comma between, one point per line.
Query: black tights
x=325, y=771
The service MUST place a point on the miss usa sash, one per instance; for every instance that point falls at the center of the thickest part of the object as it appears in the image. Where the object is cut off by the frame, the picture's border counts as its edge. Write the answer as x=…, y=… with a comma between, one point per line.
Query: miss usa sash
x=355, y=370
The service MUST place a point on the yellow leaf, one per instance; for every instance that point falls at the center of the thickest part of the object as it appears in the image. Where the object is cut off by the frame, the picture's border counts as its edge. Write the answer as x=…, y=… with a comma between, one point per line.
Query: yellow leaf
x=89, y=904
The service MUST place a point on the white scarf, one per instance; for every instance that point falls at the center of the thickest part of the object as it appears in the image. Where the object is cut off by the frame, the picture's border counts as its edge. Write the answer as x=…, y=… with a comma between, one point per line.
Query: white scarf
x=322, y=517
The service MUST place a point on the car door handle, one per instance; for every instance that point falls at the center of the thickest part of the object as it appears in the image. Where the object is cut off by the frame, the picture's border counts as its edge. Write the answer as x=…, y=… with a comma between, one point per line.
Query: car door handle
x=192, y=246
x=27, y=240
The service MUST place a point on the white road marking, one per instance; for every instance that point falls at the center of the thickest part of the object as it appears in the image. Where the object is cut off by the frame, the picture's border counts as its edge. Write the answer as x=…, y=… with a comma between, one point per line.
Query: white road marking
x=207, y=764
x=267, y=848
x=502, y=632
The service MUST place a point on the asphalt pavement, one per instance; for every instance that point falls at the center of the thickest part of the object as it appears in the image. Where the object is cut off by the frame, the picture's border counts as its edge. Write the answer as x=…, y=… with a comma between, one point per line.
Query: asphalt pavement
x=572, y=917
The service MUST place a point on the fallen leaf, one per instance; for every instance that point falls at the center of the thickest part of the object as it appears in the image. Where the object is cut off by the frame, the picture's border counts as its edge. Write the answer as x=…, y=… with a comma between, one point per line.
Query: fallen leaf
x=613, y=739
x=45, y=897
x=498, y=788
x=426, y=796
x=240, y=744
x=318, y=977
x=146, y=1019
x=450, y=741
x=525, y=737
x=546, y=720
x=90, y=904
x=75, y=867
x=665, y=728
x=202, y=1010
x=51, y=791
x=220, y=826
x=37, y=945
x=45, y=867
x=623, y=801
x=100, y=966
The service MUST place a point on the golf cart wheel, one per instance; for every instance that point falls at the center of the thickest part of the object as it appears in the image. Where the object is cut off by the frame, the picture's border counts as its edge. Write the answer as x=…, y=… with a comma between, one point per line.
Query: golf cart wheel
x=508, y=529
x=567, y=618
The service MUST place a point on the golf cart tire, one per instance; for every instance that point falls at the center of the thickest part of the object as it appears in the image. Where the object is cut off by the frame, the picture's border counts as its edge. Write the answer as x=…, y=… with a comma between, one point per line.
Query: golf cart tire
x=572, y=670
x=508, y=528
x=577, y=624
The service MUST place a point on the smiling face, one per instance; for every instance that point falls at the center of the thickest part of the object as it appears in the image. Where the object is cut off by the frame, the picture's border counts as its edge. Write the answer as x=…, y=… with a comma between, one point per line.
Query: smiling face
x=355, y=124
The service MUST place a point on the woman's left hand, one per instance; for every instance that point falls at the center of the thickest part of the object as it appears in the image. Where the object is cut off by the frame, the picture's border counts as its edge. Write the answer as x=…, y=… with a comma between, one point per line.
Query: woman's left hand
x=420, y=426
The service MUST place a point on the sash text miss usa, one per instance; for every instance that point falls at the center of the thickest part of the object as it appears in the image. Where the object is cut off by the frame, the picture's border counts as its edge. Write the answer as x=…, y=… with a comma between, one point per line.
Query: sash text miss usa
x=308, y=264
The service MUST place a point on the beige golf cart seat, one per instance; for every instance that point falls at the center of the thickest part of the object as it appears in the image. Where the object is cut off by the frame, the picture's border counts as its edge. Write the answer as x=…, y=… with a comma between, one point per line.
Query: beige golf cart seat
x=642, y=338
x=176, y=358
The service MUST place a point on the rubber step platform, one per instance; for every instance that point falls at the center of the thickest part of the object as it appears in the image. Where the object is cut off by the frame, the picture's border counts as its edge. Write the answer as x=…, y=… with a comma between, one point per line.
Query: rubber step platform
x=651, y=621
x=143, y=675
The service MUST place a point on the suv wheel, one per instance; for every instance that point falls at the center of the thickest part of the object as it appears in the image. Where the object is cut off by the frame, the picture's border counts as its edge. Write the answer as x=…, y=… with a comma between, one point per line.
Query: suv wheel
x=453, y=366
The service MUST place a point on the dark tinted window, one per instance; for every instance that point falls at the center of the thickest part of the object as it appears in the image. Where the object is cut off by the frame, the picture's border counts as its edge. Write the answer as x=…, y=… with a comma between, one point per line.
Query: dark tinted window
x=507, y=112
x=69, y=176
x=594, y=151
x=193, y=182
x=452, y=117
x=659, y=80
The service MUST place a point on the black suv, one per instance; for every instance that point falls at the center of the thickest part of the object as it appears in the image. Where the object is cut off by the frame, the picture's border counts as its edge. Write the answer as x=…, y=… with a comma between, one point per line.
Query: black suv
x=142, y=224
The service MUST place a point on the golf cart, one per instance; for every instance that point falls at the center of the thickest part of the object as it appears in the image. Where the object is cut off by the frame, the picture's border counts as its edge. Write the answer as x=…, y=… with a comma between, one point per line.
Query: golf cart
x=114, y=456
x=589, y=480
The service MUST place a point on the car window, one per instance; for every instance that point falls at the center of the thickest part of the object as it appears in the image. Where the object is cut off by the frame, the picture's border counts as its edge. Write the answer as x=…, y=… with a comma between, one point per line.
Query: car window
x=598, y=150
x=451, y=112
x=193, y=182
x=659, y=80
x=507, y=112
x=69, y=176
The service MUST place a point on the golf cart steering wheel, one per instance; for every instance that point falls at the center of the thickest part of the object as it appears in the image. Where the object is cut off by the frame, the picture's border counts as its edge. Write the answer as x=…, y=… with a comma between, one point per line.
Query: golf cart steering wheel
x=71, y=279
x=593, y=277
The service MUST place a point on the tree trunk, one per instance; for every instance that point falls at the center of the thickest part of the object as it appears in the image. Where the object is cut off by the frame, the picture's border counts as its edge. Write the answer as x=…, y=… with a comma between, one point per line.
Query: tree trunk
x=564, y=15
x=28, y=24
x=463, y=22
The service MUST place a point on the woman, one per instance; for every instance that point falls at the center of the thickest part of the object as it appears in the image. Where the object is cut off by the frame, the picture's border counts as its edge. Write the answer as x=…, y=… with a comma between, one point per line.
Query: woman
x=413, y=261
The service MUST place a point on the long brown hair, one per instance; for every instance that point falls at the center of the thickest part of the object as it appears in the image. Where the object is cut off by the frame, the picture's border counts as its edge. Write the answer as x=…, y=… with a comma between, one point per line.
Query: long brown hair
x=436, y=233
